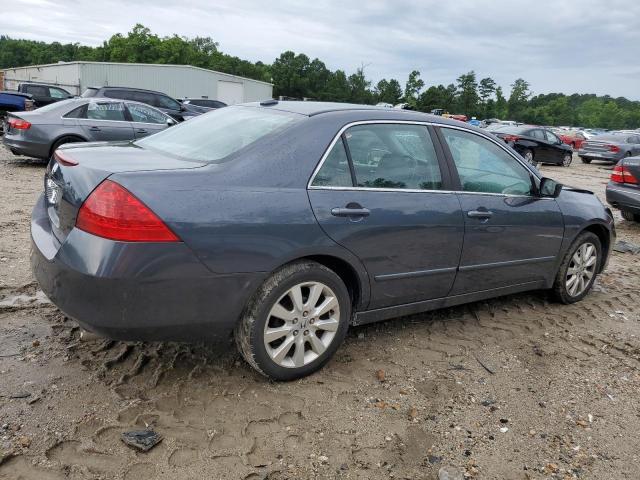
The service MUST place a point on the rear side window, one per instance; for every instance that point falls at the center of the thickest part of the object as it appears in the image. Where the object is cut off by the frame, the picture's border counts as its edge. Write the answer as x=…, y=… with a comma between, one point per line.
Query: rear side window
x=217, y=135
x=484, y=167
x=80, y=112
x=37, y=90
x=113, y=111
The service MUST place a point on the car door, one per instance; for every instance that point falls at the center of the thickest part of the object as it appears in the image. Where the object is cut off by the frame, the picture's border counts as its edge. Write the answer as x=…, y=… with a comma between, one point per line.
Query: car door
x=381, y=192
x=556, y=147
x=106, y=121
x=168, y=105
x=541, y=151
x=512, y=236
x=146, y=120
x=40, y=94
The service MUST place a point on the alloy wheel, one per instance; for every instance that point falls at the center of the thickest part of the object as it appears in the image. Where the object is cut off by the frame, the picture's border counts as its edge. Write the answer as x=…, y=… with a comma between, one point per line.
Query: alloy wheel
x=301, y=324
x=566, y=161
x=581, y=269
x=528, y=156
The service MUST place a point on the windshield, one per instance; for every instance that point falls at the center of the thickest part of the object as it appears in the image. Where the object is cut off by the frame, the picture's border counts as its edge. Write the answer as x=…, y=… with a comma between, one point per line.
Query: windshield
x=216, y=135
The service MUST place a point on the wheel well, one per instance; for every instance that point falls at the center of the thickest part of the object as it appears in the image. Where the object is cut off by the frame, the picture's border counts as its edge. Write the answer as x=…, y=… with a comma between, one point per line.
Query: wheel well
x=54, y=144
x=346, y=273
x=603, y=235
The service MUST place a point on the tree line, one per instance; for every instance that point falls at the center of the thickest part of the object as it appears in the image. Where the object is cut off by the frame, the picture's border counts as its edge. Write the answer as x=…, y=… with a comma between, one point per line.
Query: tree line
x=298, y=76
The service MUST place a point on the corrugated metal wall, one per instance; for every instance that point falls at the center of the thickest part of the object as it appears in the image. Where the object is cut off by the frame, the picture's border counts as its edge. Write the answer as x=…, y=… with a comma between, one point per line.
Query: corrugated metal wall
x=65, y=75
x=175, y=80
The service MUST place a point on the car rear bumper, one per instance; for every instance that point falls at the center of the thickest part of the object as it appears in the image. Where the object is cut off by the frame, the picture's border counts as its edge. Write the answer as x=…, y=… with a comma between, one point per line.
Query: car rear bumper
x=605, y=156
x=136, y=291
x=24, y=147
x=622, y=197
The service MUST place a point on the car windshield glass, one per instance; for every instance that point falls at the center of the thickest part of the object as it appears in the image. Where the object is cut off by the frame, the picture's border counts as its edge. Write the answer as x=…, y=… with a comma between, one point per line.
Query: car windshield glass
x=215, y=136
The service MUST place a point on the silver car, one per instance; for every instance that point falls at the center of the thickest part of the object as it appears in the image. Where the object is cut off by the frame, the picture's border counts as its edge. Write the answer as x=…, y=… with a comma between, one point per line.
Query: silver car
x=40, y=132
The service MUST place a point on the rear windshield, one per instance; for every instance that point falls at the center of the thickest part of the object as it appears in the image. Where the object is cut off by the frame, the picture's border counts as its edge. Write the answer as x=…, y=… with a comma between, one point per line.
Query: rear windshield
x=89, y=92
x=215, y=136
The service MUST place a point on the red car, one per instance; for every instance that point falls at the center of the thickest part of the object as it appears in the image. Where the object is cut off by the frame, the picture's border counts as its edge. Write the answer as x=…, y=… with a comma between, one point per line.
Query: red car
x=575, y=139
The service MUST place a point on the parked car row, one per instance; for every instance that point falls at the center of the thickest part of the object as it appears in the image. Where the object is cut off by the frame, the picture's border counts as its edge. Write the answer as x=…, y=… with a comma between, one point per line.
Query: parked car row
x=536, y=144
x=101, y=114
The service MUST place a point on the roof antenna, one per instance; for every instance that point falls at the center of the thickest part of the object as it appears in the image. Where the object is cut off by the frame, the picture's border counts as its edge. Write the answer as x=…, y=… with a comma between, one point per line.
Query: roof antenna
x=268, y=103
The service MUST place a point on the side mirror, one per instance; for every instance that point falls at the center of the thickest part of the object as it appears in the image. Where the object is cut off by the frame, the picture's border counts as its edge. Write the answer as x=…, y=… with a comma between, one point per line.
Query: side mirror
x=171, y=122
x=549, y=188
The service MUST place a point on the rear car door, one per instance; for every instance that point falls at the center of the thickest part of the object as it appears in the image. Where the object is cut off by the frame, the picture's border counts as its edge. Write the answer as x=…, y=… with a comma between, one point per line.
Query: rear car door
x=542, y=150
x=512, y=236
x=106, y=121
x=380, y=192
x=146, y=120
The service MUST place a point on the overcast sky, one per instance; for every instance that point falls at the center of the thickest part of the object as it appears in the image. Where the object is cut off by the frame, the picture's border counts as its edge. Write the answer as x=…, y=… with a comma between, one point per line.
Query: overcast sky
x=583, y=46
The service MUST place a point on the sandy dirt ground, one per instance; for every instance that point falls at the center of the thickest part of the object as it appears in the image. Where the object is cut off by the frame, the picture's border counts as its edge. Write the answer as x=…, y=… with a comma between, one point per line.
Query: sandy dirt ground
x=513, y=388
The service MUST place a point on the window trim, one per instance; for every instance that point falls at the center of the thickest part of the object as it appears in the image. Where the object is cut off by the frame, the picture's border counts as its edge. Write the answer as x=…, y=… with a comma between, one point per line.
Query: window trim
x=440, y=148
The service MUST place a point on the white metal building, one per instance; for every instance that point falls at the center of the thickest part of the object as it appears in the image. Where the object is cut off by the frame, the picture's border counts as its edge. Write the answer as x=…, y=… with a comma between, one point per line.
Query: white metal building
x=178, y=81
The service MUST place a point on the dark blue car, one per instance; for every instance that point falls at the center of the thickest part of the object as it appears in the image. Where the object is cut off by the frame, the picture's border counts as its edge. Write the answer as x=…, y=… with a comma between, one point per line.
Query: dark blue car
x=286, y=222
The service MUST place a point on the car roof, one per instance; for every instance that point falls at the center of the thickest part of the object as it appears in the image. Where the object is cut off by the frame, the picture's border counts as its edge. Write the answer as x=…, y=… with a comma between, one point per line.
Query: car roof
x=113, y=87
x=364, y=112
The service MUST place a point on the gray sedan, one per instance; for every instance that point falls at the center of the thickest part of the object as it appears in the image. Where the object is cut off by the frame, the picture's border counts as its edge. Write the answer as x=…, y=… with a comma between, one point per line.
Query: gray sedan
x=623, y=190
x=287, y=222
x=40, y=132
x=610, y=148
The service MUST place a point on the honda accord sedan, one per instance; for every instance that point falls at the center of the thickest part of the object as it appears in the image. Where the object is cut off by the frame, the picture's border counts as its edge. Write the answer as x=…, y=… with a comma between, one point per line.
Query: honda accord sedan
x=284, y=223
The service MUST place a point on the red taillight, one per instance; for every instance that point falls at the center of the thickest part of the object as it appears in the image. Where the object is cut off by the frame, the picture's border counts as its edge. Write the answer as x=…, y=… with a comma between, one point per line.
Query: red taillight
x=111, y=211
x=511, y=138
x=614, y=148
x=64, y=159
x=19, y=124
x=621, y=174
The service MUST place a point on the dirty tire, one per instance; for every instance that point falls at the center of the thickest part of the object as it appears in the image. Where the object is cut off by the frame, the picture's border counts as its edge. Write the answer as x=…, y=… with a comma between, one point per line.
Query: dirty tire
x=630, y=216
x=566, y=159
x=560, y=292
x=528, y=156
x=585, y=160
x=249, y=331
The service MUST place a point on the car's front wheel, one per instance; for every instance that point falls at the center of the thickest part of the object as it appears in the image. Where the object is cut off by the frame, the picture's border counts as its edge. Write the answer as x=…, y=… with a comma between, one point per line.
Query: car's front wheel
x=295, y=322
x=579, y=268
x=566, y=159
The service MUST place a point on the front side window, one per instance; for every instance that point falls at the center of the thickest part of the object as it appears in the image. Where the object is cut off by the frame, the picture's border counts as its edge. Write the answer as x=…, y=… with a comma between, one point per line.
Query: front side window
x=163, y=101
x=484, y=167
x=215, y=136
x=113, y=111
x=539, y=134
x=57, y=93
x=551, y=137
x=37, y=90
x=398, y=156
x=144, y=114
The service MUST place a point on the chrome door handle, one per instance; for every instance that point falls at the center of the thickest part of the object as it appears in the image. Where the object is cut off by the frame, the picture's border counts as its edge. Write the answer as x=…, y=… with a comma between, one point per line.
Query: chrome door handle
x=95, y=129
x=141, y=130
x=350, y=212
x=480, y=214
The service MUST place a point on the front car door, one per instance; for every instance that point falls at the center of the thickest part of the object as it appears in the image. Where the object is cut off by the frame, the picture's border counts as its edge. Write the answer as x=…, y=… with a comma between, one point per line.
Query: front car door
x=380, y=192
x=556, y=147
x=512, y=236
x=146, y=120
x=106, y=121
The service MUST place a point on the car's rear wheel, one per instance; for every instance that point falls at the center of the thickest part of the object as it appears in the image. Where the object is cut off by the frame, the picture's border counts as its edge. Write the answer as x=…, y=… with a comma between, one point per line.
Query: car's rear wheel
x=630, y=216
x=585, y=160
x=579, y=268
x=566, y=160
x=62, y=141
x=295, y=322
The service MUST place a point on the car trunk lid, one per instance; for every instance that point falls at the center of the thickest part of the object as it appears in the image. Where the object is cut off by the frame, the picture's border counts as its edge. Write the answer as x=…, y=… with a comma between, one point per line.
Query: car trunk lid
x=77, y=169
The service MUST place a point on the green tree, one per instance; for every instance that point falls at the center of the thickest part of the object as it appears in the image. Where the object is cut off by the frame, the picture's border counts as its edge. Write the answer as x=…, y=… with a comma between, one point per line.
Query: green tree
x=388, y=91
x=486, y=89
x=468, y=94
x=501, y=107
x=518, y=99
x=412, y=88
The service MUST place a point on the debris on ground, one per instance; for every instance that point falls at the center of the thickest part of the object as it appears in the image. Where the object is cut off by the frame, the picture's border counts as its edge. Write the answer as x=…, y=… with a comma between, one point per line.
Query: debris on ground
x=380, y=375
x=143, y=440
x=623, y=246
